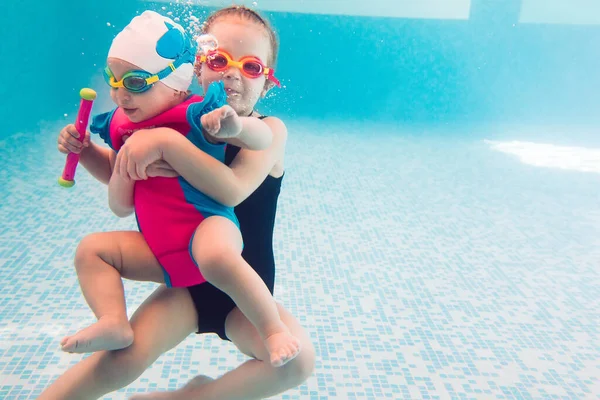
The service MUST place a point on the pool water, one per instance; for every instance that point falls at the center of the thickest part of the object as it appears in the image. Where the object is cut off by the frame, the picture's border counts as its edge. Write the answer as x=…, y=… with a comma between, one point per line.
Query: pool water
x=438, y=227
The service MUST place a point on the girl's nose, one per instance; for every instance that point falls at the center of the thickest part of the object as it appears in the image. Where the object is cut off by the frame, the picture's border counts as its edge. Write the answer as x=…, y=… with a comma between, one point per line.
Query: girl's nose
x=232, y=73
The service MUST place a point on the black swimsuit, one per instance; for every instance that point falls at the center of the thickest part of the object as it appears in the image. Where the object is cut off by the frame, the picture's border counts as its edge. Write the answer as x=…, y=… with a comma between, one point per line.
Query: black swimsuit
x=256, y=215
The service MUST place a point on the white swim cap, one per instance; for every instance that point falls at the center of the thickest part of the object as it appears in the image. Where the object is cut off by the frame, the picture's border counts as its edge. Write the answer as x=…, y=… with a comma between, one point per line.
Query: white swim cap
x=153, y=42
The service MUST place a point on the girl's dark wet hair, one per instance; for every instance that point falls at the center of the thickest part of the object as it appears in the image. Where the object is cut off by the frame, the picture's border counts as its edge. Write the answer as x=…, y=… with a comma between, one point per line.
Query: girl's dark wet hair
x=246, y=13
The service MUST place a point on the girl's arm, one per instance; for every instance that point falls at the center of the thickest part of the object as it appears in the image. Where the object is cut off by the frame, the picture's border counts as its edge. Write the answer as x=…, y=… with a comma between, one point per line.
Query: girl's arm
x=224, y=125
x=230, y=186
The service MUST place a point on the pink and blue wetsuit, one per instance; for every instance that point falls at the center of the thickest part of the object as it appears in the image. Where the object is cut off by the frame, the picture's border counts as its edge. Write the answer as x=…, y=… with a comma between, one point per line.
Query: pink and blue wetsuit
x=168, y=210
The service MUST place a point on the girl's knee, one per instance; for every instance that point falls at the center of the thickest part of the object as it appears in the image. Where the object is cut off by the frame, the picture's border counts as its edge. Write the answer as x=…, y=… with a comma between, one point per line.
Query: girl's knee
x=302, y=367
x=123, y=366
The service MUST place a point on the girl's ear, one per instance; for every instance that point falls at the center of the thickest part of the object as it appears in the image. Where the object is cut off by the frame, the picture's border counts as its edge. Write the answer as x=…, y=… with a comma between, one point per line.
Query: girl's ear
x=268, y=86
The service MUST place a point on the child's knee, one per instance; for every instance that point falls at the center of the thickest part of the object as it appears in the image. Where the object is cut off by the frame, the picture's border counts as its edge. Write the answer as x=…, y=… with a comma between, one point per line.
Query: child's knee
x=88, y=248
x=215, y=263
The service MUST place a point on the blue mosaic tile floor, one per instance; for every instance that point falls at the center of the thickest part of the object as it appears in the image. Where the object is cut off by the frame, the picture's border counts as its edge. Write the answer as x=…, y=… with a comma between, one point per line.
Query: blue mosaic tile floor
x=422, y=265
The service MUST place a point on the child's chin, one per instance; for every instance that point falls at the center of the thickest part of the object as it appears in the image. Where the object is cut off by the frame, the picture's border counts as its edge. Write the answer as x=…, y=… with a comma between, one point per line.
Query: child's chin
x=135, y=118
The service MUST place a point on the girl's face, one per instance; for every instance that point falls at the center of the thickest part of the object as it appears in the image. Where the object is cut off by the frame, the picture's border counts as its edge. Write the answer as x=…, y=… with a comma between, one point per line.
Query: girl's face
x=139, y=107
x=239, y=38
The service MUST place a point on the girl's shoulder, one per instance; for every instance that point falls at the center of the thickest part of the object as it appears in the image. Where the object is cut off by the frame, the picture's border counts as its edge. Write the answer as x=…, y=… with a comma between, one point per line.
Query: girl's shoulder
x=278, y=128
x=276, y=124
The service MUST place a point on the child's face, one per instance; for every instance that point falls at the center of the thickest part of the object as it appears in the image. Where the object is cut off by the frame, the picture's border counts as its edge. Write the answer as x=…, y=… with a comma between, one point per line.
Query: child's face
x=139, y=107
x=239, y=38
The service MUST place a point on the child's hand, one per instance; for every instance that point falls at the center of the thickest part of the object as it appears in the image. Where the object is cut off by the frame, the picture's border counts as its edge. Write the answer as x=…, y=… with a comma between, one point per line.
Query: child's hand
x=68, y=141
x=222, y=123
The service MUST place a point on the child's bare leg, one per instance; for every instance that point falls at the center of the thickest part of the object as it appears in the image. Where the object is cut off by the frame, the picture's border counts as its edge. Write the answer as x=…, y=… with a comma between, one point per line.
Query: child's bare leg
x=217, y=248
x=100, y=261
x=255, y=379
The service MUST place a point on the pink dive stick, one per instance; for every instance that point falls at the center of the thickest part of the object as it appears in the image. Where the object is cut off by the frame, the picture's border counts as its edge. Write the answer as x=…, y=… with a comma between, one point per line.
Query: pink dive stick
x=85, y=107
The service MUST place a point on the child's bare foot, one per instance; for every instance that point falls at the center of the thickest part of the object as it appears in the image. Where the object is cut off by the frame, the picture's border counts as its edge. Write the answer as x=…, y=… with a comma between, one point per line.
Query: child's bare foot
x=106, y=334
x=187, y=392
x=283, y=347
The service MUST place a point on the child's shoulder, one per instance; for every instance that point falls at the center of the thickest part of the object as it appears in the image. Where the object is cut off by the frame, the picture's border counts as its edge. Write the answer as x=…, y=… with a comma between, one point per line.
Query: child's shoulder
x=101, y=123
x=194, y=98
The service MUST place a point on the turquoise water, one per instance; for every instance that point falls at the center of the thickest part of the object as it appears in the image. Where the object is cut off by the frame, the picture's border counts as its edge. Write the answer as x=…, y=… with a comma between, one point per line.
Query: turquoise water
x=438, y=228
x=486, y=70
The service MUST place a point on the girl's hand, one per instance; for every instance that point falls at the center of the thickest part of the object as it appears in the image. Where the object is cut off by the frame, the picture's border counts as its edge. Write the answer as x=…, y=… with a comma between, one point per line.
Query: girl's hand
x=161, y=168
x=68, y=141
x=222, y=123
x=137, y=153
